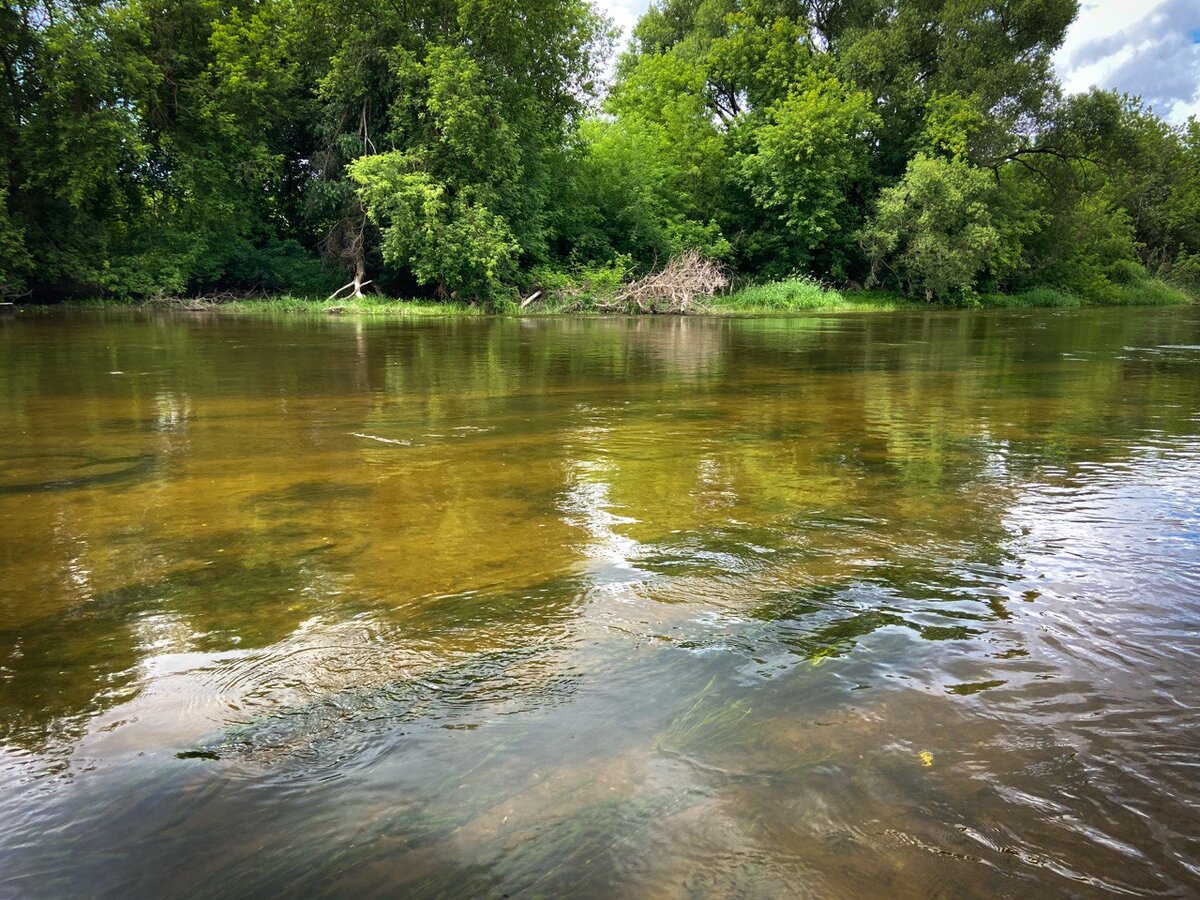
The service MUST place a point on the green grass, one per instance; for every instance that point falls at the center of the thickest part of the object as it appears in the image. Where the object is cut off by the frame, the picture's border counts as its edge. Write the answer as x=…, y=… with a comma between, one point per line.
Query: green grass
x=801, y=295
x=369, y=306
x=1153, y=292
x=287, y=303
x=1035, y=298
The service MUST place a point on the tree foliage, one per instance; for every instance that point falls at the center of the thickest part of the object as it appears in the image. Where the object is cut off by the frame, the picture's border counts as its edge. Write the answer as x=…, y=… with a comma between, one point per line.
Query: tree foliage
x=471, y=149
x=809, y=165
x=937, y=230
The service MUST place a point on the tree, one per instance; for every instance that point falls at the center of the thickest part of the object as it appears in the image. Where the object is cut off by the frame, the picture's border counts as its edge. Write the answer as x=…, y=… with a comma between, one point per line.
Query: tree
x=458, y=147
x=645, y=180
x=478, y=95
x=936, y=234
x=446, y=237
x=810, y=164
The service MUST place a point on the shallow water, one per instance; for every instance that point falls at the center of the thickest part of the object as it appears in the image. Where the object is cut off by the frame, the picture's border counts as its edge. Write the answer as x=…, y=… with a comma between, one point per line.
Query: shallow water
x=903, y=605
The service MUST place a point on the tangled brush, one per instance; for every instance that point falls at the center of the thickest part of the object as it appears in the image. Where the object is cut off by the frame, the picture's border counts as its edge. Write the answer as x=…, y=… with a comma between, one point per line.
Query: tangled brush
x=676, y=288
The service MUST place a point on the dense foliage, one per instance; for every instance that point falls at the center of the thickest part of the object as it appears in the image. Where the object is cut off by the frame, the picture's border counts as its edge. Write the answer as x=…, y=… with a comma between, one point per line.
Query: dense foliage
x=468, y=149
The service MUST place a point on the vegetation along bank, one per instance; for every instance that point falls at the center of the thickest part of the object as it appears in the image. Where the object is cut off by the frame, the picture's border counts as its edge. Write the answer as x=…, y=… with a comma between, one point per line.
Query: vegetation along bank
x=494, y=156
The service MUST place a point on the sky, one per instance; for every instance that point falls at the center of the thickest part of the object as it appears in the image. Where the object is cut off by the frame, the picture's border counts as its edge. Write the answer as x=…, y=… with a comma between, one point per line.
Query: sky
x=1146, y=47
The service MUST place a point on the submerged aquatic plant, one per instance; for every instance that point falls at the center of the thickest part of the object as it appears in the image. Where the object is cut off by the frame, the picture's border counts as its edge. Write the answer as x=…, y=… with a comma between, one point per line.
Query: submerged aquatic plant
x=707, y=723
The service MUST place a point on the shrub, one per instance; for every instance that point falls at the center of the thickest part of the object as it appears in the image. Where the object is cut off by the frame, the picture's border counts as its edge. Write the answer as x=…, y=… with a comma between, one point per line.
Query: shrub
x=1038, y=297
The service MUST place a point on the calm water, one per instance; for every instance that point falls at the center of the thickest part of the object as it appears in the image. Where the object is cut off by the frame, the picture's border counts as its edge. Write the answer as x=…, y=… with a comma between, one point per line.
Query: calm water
x=902, y=606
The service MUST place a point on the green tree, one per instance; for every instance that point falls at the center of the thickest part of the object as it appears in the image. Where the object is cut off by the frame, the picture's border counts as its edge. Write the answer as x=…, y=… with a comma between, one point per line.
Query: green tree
x=478, y=95
x=458, y=148
x=445, y=237
x=810, y=164
x=937, y=233
x=645, y=180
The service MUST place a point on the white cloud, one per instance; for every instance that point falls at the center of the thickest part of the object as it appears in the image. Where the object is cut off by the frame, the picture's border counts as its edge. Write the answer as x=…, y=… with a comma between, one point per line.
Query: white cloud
x=1148, y=49
x=625, y=13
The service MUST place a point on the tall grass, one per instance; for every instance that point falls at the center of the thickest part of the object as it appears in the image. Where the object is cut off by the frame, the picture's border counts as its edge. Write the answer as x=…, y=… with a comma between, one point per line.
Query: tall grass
x=1035, y=298
x=1153, y=292
x=799, y=294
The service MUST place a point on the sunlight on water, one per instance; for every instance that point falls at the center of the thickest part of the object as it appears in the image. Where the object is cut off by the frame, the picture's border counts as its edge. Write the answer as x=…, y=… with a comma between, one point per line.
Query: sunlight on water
x=902, y=605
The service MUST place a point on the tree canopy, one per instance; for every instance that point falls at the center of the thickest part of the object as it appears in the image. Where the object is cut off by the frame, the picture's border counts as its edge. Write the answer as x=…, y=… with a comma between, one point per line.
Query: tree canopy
x=471, y=149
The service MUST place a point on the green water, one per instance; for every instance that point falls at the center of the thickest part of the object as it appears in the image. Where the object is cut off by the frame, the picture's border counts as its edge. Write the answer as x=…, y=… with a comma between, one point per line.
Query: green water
x=904, y=605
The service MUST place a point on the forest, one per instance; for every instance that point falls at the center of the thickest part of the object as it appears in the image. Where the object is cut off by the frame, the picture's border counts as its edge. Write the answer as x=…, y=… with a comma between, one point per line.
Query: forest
x=479, y=151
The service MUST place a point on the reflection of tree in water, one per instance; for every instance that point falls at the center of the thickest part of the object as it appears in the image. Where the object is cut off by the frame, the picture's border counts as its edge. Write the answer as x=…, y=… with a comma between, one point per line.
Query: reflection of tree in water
x=64, y=667
x=822, y=479
x=87, y=473
x=901, y=466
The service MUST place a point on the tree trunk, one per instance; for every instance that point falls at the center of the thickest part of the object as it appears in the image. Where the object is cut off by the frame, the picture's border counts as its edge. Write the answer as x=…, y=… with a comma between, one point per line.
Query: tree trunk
x=360, y=271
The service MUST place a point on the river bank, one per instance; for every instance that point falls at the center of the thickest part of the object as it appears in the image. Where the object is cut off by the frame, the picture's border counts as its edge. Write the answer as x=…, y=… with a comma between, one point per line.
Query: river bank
x=774, y=298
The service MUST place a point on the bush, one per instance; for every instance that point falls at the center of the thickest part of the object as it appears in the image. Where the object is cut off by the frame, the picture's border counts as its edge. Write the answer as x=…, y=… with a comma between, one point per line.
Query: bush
x=584, y=285
x=279, y=266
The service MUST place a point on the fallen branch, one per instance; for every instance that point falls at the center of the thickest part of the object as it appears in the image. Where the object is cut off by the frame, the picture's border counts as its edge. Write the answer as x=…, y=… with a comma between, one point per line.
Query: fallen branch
x=202, y=302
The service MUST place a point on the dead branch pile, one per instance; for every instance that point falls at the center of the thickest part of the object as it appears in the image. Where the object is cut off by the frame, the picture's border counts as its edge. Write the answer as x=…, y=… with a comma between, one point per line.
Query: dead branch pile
x=574, y=297
x=202, y=302
x=676, y=288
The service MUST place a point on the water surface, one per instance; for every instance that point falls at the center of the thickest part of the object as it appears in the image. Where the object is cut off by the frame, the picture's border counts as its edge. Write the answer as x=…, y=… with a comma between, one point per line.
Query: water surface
x=903, y=605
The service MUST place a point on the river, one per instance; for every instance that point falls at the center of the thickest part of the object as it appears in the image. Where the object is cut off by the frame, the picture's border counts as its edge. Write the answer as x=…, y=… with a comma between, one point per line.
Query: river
x=900, y=605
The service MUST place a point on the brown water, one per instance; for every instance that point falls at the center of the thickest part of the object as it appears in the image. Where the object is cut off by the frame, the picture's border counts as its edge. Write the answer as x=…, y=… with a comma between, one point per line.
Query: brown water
x=900, y=605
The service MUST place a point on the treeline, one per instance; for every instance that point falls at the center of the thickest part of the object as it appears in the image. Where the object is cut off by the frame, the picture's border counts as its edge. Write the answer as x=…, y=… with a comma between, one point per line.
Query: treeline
x=474, y=150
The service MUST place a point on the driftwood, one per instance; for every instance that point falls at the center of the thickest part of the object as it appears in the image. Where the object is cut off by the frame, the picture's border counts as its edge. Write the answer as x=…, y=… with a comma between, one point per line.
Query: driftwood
x=677, y=288
x=532, y=297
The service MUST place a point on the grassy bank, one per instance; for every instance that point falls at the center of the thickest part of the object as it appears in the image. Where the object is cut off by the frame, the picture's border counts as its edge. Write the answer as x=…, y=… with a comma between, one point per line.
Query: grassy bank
x=802, y=295
x=774, y=298
x=799, y=295
x=1150, y=292
x=287, y=303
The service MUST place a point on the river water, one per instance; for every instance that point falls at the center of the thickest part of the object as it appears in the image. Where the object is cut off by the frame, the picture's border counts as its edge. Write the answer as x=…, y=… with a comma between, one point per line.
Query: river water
x=900, y=605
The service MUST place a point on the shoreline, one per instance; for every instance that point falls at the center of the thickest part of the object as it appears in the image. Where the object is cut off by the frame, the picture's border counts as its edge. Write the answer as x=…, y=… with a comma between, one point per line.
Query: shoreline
x=776, y=299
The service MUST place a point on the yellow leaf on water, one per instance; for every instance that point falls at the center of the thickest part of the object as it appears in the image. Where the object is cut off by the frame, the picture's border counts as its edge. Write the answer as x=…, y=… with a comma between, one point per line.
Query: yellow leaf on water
x=926, y=758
